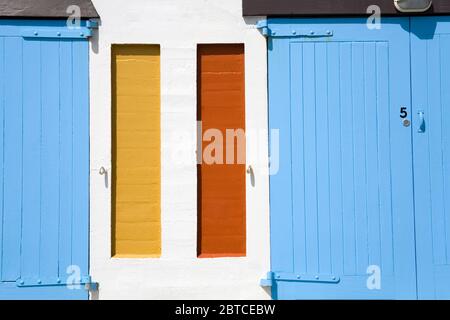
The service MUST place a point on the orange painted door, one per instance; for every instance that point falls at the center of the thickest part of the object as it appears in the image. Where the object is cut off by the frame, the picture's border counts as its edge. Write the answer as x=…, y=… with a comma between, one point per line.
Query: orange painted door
x=136, y=177
x=221, y=175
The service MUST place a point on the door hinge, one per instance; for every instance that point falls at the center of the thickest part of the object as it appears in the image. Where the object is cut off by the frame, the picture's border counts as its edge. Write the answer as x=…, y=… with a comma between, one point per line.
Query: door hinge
x=293, y=277
x=291, y=31
x=85, y=281
x=81, y=32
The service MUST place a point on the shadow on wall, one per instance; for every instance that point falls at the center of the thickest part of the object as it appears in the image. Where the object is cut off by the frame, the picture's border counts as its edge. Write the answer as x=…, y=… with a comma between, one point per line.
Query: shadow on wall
x=95, y=39
x=251, y=22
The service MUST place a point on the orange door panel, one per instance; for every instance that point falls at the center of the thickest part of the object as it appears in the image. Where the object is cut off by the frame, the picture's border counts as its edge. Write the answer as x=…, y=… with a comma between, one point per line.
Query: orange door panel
x=222, y=185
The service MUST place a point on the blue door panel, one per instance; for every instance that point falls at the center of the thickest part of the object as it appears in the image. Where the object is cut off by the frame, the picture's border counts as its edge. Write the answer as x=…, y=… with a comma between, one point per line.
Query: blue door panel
x=430, y=47
x=44, y=157
x=342, y=201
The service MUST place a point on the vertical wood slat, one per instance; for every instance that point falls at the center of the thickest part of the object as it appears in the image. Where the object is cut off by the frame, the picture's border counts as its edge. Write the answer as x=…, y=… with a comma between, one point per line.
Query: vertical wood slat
x=80, y=149
x=66, y=157
x=32, y=124
x=222, y=194
x=50, y=164
x=2, y=146
x=445, y=115
x=12, y=195
x=136, y=151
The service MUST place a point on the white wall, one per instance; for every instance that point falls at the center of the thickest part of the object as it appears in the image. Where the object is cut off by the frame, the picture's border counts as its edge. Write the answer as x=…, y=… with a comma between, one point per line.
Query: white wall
x=178, y=26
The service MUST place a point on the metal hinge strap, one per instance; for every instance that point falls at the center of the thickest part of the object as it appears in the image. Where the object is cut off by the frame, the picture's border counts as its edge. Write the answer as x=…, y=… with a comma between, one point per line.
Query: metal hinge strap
x=85, y=281
x=282, y=276
x=82, y=32
x=292, y=31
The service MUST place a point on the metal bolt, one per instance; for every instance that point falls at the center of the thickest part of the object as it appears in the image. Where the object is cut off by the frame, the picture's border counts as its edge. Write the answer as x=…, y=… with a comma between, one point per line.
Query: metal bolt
x=82, y=34
x=311, y=32
x=294, y=32
x=298, y=277
x=39, y=281
x=36, y=33
x=59, y=34
x=333, y=278
x=59, y=280
x=22, y=282
x=328, y=32
x=317, y=277
x=274, y=32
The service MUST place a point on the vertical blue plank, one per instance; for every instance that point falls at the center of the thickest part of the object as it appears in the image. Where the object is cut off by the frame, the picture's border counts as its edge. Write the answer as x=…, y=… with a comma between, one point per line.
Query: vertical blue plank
x=430, y=45
x=298, y=155
x=334, y=136
x=50, y=159
x=310, y=133
x=371, y=124
x=32, y=159
x=348, y=188
x=401, y=161
x=323, y=170
x=435, y=143
x=280, y=183
x=12, y=159
x=359, y=148
x=422, y=188
x=384, y=159
x=66, y=157
x=81, y=155
x=2, y=145
x=445, y=112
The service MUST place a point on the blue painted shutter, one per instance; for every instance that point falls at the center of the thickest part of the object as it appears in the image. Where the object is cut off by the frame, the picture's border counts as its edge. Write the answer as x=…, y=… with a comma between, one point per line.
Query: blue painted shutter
x=430, y=46
x=44, y=157
x=343, y=198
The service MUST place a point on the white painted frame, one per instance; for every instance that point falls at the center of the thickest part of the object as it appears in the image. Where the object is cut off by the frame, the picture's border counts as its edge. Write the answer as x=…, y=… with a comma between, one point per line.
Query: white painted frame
x=178, y=26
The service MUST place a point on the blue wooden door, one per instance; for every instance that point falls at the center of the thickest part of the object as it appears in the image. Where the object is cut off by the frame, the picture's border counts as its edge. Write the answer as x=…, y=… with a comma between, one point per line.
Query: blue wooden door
x=430, y=52
x=44, y=160
x=342, y=215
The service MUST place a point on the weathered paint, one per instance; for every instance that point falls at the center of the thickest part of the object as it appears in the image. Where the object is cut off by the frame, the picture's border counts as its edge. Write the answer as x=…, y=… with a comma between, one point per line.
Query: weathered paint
x=136, y=177
x=221, y=106
x=178, y=26
x=44, y=161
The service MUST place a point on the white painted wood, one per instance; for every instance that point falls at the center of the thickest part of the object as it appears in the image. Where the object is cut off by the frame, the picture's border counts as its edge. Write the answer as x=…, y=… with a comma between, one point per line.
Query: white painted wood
x=178, y=26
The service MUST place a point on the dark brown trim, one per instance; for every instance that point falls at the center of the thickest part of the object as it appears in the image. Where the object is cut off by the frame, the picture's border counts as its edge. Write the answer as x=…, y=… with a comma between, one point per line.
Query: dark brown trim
x=291, y=8
x=45, y=9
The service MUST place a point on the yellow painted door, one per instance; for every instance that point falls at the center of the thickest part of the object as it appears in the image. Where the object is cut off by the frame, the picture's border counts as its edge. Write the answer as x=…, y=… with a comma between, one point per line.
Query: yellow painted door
x=136, y=196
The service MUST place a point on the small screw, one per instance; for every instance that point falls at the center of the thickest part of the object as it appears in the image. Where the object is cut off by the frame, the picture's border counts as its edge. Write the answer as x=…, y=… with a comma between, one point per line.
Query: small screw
x=298, y=277
x=317, y=277
x=59, y=34
x=36, y=33
x=294, y=32
x=22, y=282
x=333, y=278
x=328, y=32
x=274, y=32
x=39, y=281
x=312, y=32
x=82, y=34
x=58, y=281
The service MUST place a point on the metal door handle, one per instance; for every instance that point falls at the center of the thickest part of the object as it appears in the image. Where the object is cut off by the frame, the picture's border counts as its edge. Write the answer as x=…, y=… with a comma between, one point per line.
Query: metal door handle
x=421, y=122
